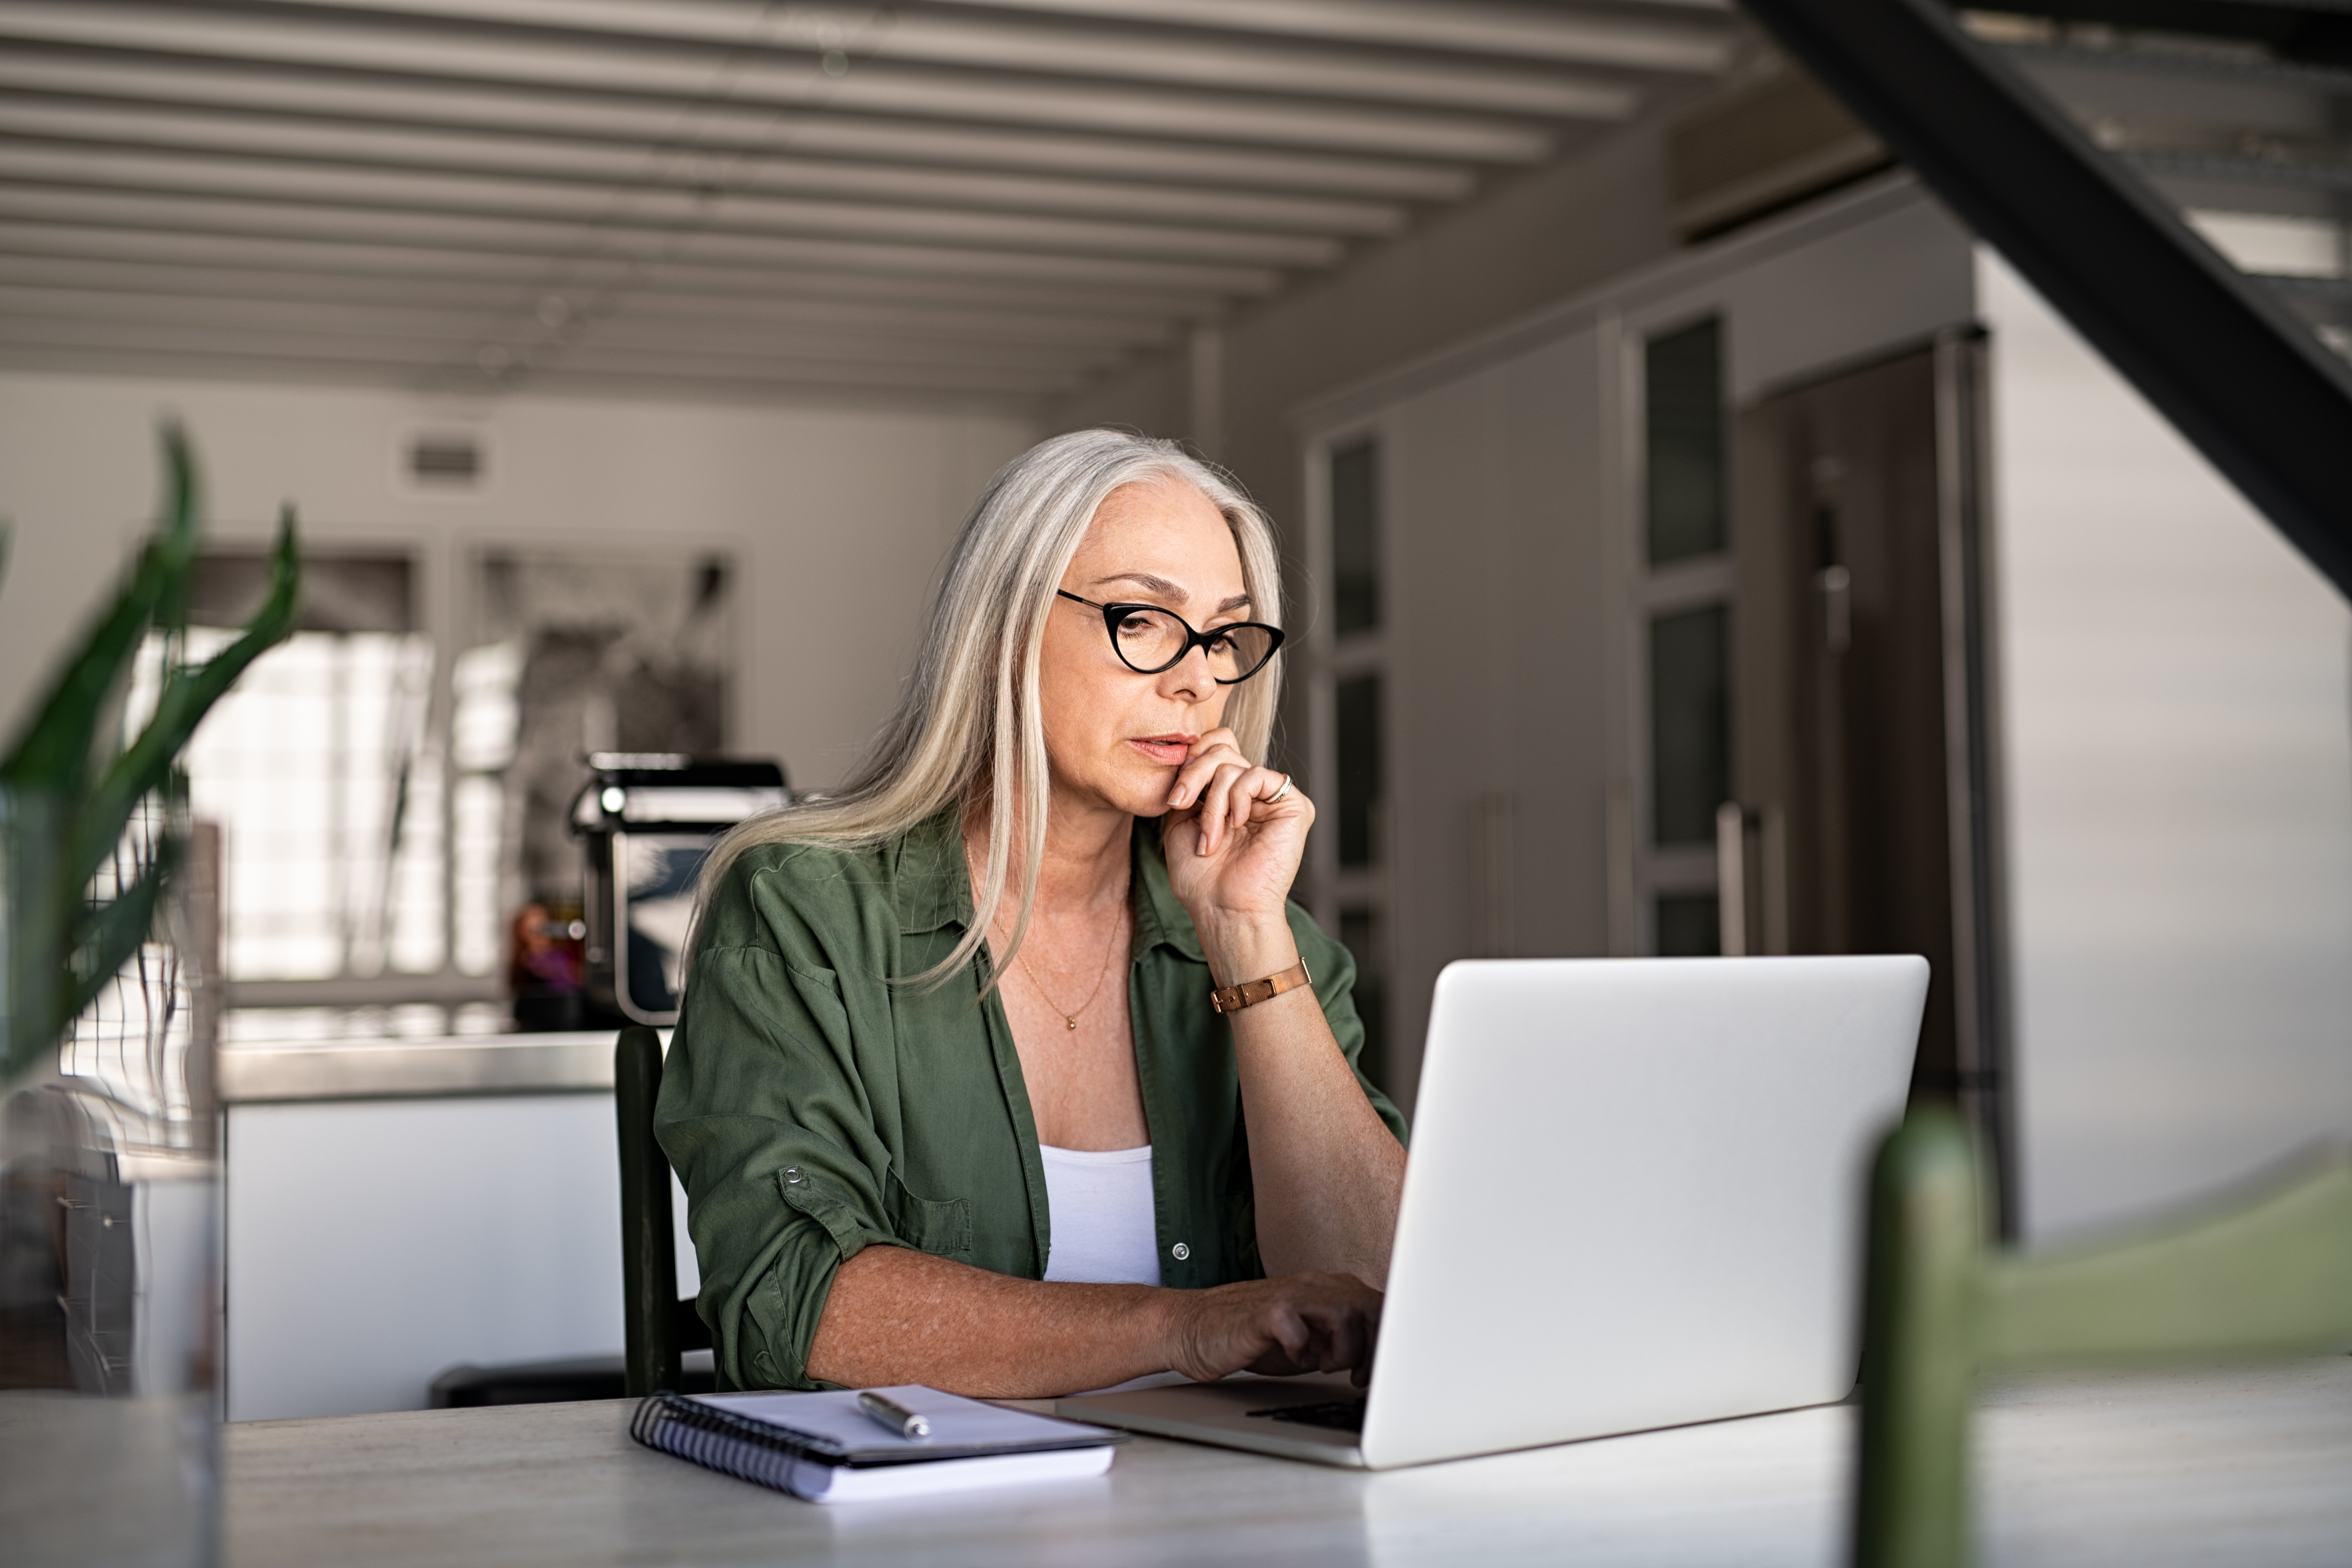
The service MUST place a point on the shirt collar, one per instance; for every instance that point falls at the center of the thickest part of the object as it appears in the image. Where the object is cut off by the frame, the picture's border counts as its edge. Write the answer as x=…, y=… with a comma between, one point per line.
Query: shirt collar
x=1158, y=917
x=933, y=891
x=927, y=881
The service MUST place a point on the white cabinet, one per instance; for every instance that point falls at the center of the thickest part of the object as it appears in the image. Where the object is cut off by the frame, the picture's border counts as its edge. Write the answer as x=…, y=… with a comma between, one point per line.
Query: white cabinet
x=372, y=1243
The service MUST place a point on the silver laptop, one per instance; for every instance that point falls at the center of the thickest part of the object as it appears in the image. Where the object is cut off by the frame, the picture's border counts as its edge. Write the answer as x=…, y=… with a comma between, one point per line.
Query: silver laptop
x=1635, y=1200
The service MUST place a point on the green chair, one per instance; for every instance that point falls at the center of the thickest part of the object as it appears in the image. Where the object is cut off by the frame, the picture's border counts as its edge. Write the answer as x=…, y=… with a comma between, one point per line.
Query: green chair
x=2269, y=1273
x=659, y=1329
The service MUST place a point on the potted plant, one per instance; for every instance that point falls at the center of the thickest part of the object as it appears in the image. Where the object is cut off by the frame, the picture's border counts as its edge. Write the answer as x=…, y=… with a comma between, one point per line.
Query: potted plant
x=108, y=1222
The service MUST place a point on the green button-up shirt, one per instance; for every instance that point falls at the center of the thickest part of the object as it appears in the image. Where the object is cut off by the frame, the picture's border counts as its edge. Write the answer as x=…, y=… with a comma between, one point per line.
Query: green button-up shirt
x=813, y=1107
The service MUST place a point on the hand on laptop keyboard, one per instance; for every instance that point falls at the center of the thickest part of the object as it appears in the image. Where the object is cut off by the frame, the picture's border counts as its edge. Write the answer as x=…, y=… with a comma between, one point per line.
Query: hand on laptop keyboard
x=1300, y=1323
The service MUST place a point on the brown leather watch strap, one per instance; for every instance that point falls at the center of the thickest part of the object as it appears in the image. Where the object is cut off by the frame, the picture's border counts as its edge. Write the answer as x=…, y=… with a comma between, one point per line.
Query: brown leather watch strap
x=1249, y=994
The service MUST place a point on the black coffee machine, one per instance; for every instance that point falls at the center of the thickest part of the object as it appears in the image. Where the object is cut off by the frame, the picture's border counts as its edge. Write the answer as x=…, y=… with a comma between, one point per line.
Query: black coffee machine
x=647, y=821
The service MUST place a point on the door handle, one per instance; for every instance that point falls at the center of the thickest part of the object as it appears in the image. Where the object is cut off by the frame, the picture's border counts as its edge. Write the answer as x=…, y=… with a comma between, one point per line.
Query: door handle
x=1731, y=880
x=1751, y=880
x=1836, y=586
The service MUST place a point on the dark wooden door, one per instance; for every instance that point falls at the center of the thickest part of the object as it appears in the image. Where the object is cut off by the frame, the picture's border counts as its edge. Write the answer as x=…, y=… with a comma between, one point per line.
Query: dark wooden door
x=1861, y=686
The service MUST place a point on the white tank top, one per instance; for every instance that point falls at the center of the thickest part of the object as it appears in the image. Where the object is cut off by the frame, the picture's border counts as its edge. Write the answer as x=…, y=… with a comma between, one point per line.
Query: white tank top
x=1098, y=1202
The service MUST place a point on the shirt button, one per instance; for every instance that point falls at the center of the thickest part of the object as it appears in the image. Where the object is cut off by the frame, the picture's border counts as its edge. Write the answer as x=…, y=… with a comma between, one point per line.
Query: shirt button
x=791, y=1175
x=1180, y=1252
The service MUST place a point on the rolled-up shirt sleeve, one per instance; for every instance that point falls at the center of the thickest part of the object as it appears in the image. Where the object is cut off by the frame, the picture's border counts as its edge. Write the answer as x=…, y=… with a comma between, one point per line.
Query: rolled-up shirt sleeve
x=764, y=1114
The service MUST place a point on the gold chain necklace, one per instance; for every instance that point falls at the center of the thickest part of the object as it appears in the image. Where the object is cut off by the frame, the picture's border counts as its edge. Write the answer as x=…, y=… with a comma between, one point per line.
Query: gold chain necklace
x=1101, y=975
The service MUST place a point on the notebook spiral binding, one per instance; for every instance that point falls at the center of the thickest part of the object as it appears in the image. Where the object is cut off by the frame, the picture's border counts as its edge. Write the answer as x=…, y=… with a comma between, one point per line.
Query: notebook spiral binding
x=719, y=1441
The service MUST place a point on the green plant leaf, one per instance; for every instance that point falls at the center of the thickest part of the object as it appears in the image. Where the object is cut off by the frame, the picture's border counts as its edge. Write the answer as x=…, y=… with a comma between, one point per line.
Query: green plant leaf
x=113, y=932
x=53, y=747
x=60, y=827
x=187, y=696
x=41, y=911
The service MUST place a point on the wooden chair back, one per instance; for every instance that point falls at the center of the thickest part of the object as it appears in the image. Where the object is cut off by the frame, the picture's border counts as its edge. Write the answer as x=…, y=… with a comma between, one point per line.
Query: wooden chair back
x=659, y=1328
x=2266, y=1272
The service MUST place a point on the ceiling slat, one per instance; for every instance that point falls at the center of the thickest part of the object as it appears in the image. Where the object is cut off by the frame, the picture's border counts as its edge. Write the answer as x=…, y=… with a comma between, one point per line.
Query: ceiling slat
x=613, y=65
x=225, y=134
x=452, y=332
x=160, y=208
x=668, y=208
x=991, y=41
x=1520, y=31
x=970, y=201
x=191, y=291
x=532, y=276
x=36, y=344
x=230, y=132
x=747, y=135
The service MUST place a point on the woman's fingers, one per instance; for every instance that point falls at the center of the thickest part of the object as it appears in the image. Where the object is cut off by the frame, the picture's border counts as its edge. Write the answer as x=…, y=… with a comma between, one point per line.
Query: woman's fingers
x=1306, y=1322
x=1218, y=747
x=1234, y=799
x=1343, y=1342
x=1343, y=1334
x=1223, y=788
x=1291, y=1332
x=1241, y=805
x=1216, y=805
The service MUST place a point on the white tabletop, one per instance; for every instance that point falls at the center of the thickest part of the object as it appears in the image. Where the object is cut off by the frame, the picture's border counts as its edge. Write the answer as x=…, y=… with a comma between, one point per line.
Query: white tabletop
x=2244, y=1466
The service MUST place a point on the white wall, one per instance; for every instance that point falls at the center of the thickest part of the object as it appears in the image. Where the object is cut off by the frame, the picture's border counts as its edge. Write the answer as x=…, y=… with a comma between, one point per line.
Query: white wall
x=838, y=519
x=2178, y=688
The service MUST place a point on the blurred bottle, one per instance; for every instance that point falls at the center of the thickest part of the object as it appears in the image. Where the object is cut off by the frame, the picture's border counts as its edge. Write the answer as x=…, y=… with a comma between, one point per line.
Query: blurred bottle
x=547, y=965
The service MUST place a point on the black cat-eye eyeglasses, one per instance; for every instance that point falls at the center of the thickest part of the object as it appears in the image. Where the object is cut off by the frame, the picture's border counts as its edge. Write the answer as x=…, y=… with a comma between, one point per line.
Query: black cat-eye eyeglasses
x=1148, y=639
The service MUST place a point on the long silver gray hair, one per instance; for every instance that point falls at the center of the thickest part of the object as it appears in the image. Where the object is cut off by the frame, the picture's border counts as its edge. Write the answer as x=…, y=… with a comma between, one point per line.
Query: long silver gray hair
x=970, y=731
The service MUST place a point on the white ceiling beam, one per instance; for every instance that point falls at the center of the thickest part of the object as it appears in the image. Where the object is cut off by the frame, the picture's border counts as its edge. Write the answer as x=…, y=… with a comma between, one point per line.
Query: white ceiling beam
x=1251, y=66
x=990, y=41
x=879, y=87
x=595, y=207
x=577, y=282
x=714, y=130
x=854, y=370
x=163, y=209
x=457, y=329
x=720, y=345
x=140, y=127
x=81, y=346
x=195, y=290
x=1518, y=31
x=777, y=391
x=389, y=336
x=456, y=335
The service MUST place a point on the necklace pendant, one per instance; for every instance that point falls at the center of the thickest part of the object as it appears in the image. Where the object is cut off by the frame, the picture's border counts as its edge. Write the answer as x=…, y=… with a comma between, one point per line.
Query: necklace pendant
x=1073, y=1022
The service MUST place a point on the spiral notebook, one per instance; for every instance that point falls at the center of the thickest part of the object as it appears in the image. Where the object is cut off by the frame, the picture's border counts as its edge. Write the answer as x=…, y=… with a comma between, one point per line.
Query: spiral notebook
x=822, y=1448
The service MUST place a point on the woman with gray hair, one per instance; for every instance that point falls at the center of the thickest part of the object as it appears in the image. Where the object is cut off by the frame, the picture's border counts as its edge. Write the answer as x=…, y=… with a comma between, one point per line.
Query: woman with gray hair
x=932, y=1129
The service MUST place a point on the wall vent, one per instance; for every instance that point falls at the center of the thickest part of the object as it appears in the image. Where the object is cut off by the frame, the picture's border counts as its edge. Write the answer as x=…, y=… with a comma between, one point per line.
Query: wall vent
x=447, y=459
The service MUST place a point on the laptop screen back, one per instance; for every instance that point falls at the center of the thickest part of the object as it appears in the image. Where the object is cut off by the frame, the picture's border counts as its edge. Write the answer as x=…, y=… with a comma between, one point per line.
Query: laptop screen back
x=1635, y=1195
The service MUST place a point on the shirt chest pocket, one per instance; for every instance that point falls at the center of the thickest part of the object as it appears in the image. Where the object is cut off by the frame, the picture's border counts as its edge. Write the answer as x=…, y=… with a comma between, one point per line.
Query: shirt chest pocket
x=940, y=1227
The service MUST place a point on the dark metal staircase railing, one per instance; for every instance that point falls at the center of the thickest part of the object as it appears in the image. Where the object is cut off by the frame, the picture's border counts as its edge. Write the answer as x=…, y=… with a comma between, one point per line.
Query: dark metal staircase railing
x=2228, y=363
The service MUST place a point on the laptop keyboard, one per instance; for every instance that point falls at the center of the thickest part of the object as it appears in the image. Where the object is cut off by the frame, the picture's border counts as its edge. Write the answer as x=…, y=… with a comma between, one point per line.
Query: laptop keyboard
x=1338, y=1415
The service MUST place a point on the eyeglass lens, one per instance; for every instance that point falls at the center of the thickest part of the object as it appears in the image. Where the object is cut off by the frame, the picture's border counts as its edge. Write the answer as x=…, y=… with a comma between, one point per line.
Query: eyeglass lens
x=1151, y=640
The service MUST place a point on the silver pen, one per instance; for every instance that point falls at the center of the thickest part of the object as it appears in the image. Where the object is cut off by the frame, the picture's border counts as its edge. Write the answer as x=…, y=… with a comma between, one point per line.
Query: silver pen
x=893, y=1415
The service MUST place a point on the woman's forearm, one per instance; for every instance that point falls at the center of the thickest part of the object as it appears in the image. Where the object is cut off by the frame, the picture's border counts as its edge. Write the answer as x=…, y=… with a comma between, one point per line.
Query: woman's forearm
x=895, y=1316
x=901, y=1316
x=1326, y=1171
